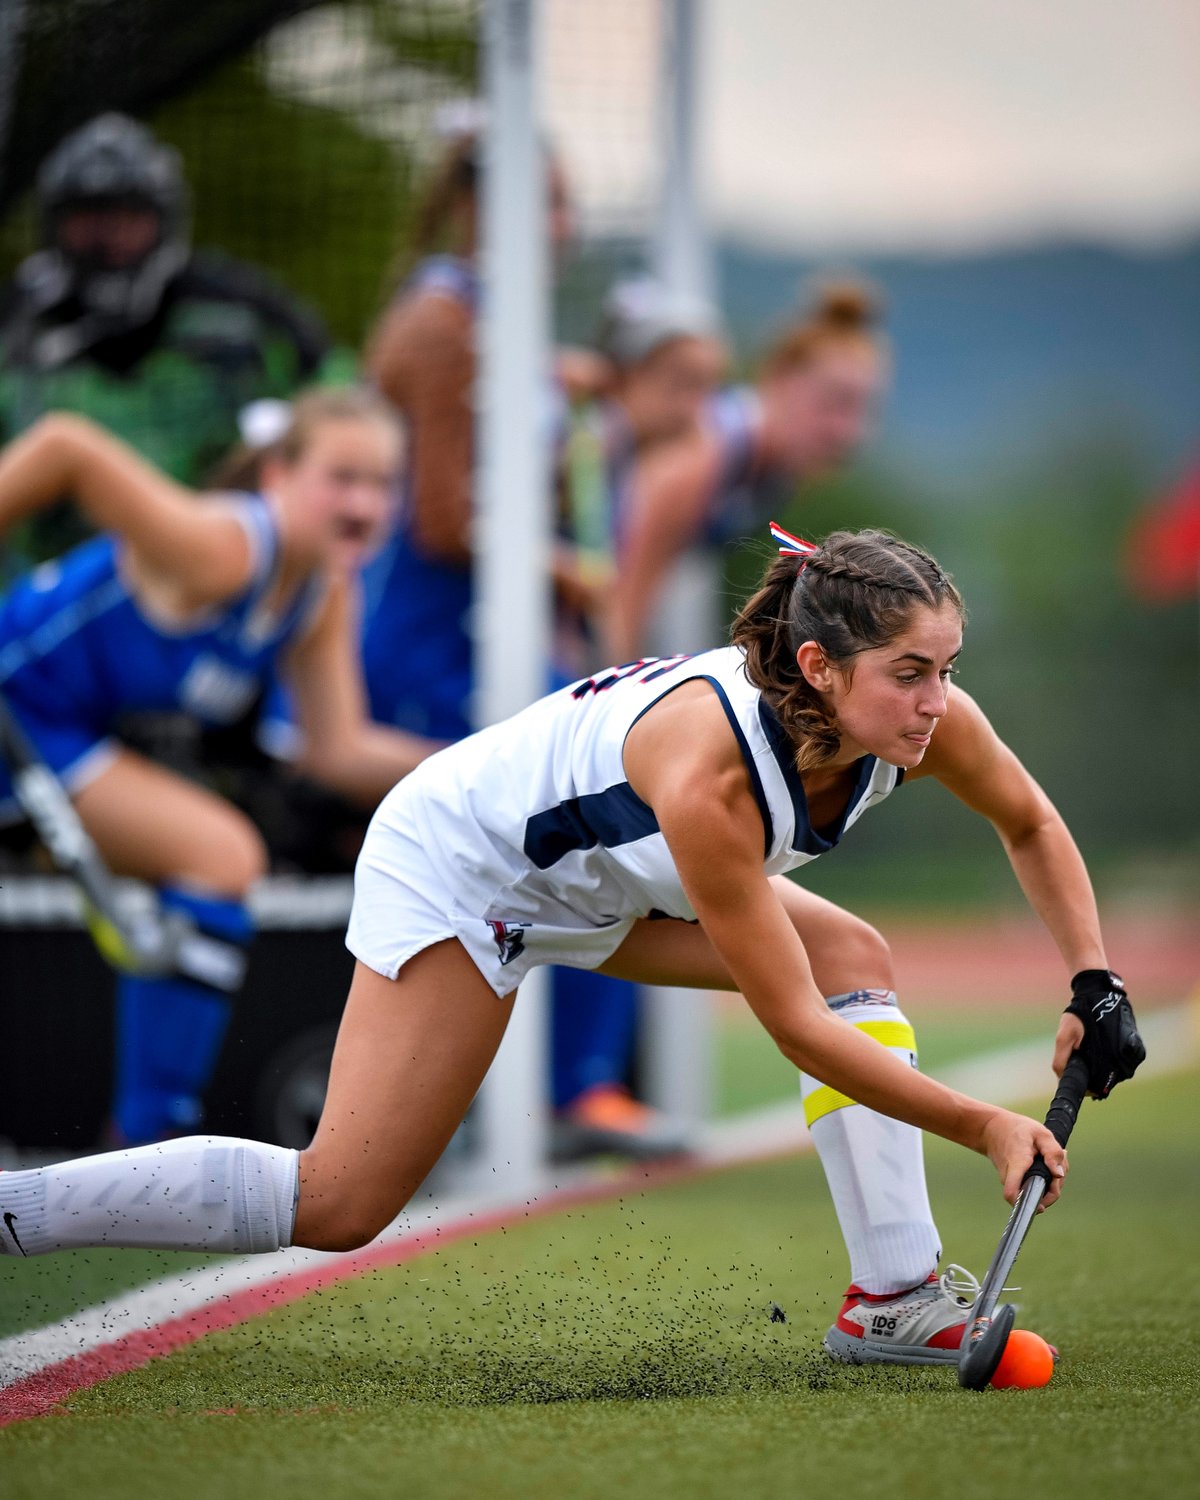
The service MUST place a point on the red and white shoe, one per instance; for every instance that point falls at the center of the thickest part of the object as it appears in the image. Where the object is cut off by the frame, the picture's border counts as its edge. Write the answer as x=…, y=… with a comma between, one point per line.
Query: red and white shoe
x=921, y=1326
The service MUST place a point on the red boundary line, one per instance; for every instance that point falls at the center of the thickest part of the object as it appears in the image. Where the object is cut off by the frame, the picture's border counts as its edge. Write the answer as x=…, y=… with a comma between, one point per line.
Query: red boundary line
x=37, y=1395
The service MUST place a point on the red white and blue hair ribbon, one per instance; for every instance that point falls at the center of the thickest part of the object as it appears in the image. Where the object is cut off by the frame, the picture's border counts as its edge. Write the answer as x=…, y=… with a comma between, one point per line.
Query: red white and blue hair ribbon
x=792, y=546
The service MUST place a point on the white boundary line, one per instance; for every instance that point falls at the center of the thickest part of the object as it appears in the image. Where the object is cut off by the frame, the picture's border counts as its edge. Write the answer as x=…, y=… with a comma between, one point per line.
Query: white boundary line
x=140, y=1308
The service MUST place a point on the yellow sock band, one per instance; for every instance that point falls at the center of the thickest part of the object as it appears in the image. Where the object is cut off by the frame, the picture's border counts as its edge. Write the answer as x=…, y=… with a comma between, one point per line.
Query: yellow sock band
x=823, y=1100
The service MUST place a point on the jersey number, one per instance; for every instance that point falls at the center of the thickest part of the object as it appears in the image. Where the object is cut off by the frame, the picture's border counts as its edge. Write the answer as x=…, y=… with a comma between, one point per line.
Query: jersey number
x=604, y=680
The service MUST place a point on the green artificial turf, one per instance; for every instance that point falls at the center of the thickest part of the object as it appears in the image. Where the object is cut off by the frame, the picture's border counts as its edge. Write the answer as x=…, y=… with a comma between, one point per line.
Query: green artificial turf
x=627, y=1348
x=750, y=1072
x=50, y=1287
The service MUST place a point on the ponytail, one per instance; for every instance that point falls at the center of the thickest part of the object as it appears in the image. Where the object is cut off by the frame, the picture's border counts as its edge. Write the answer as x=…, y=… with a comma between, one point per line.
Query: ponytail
x=842, y=313
x=457, y=177
x=763, y=631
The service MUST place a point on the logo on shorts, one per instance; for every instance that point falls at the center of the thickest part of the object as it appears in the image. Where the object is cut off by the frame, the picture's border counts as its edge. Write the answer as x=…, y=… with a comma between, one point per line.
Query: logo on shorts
x=510, y=939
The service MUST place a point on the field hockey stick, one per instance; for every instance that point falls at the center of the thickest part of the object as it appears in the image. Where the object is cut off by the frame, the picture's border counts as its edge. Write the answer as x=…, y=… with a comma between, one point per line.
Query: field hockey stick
x=149, y=942
x=987, y=1330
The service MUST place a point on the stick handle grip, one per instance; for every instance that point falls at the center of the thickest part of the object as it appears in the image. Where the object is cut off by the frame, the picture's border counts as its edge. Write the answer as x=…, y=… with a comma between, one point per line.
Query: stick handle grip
x=1063, y=1111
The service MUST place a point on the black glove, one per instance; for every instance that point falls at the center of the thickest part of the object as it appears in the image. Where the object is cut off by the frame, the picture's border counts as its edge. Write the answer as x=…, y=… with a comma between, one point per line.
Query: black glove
x=1111, y=1046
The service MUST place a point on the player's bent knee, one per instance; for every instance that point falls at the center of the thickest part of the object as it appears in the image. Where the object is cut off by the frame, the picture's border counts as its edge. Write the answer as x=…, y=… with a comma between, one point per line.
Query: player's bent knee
x=858, y=958
x=340, y=1209
x=235, y=862
x=326, y=1226
x=250, y=861
x=872, y=948
x=338, y=1235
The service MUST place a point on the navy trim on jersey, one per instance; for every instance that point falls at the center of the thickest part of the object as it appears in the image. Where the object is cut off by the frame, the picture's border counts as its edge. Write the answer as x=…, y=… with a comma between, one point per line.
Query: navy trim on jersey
x=662, y=672
x=756, y=786
x=805, y=837
x=615, y=816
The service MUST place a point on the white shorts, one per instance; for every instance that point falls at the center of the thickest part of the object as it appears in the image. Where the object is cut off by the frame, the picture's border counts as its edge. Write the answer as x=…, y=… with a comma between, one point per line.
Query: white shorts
x=403, y=904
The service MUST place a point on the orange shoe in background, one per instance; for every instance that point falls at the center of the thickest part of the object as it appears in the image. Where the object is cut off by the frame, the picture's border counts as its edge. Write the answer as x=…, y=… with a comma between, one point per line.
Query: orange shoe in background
x=608, y=1119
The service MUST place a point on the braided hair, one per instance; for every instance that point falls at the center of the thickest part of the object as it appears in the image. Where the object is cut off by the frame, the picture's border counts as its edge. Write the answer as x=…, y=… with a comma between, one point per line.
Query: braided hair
x=854, y=592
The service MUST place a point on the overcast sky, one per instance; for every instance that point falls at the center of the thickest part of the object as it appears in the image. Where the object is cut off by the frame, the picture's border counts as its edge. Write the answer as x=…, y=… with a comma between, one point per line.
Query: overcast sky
x=898, y=124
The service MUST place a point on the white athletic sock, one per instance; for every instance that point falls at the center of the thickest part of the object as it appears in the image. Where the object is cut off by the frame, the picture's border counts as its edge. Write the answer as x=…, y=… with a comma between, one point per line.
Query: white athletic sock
x=197, y=1193
x=874, y=1165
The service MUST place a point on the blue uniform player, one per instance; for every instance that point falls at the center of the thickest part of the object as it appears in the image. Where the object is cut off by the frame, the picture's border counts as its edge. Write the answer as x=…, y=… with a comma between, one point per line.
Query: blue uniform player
x=418, y=587
x=190, y=604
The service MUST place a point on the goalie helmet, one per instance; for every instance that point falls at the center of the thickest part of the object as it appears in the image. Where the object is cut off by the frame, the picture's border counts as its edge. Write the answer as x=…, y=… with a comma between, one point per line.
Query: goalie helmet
x=114, y=161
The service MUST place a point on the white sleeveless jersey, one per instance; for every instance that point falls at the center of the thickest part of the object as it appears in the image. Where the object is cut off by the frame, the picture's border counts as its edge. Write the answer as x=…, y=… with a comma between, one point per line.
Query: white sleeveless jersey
x=548, y=852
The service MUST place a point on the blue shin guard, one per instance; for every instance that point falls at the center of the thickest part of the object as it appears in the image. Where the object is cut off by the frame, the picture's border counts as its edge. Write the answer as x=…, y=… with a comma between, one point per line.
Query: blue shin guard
x=170, y=1029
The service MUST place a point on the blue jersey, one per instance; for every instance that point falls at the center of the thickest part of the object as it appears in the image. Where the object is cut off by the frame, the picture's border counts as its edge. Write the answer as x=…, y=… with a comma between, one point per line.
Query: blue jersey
x=78, y=649
x=416, y=647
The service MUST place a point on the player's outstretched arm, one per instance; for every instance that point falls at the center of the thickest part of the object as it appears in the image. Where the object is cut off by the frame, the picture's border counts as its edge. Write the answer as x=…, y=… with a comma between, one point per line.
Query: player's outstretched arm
x=681, y=758
x=423, y=359
x=203, y=548
x=968, y=757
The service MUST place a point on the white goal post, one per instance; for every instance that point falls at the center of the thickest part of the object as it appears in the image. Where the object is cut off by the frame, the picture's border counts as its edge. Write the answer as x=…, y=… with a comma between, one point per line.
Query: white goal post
x=512, y=533
x=512, y=543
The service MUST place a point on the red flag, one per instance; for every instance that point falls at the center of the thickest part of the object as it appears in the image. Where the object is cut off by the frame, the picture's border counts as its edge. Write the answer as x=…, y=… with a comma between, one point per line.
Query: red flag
x=1162, y=556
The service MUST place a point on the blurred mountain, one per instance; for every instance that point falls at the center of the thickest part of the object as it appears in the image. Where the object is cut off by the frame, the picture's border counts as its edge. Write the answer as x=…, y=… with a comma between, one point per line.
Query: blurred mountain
x=1002, y=350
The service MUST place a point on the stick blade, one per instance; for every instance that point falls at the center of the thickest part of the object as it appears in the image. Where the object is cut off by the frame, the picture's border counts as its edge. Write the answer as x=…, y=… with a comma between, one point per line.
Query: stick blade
x=984, y=1348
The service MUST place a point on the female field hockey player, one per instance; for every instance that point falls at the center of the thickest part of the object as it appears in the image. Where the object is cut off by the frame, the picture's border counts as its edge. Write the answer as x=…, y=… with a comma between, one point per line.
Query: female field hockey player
x=641, y=821
x=808, y=410
x=189, y=604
